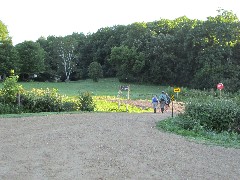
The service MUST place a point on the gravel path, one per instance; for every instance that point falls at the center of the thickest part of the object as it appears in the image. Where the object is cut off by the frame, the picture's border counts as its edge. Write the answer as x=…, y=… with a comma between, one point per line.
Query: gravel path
x=106, y=146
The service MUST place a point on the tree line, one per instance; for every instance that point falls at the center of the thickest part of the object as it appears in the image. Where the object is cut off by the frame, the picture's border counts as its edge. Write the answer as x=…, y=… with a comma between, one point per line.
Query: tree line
x=180, y=52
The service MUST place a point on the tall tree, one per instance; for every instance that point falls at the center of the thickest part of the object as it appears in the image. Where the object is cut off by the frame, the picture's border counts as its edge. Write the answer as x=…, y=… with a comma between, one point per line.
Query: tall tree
x=161, y=59
x=216, y=62
x=52, y=59
x=4, y=36
x=9, y=59
x=95, y=71
x=66, y=50
x=31, y=57
x=128, y=63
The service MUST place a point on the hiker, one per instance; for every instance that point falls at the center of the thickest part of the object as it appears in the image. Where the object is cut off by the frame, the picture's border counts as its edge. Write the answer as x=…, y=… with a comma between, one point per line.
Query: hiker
x=155, y=103
x=167, y=102
x=162, y=100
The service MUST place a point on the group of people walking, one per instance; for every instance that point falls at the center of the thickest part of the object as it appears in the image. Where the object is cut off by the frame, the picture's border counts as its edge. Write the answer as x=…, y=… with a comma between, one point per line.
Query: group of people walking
x=163, y=100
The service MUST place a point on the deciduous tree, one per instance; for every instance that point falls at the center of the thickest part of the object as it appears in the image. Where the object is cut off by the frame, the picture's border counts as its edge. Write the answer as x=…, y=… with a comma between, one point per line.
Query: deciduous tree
x=95, y=71
x=31, y=56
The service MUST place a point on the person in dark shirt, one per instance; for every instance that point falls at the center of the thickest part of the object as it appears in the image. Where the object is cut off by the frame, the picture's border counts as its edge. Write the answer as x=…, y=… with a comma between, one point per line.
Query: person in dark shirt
x=162, y=100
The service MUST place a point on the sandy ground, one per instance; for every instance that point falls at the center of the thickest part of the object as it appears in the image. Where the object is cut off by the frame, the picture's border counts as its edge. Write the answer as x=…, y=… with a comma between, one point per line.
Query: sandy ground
x=106, y=146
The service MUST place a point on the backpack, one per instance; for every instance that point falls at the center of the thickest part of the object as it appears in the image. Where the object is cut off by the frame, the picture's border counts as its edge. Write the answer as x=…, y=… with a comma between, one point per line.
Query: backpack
x=168, y=99
x=162, y=99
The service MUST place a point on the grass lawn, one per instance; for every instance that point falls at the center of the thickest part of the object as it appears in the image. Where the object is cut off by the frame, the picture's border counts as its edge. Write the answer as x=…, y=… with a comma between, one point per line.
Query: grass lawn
x=105, y=87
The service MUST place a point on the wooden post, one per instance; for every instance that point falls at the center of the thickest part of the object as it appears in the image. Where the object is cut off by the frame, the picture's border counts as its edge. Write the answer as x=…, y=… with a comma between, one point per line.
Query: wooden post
x=128, y=91
x=172, y=99
x=119, y=96
x=127, y=97
x=18, y=99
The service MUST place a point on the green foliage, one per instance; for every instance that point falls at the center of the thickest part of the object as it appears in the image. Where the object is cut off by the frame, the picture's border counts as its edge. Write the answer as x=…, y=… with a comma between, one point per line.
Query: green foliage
x=9, y=58
x=47, y=100
x=187, y=94
x=162, y=64
x=184, y=52
x=86, y=101
x=105, y=87
x=65, y=48
x=52, y=59
x=110, y=104
x=4, y=36
x=10, y=109
x=128, y=63
x=211, y=114
x=10, y=90
x=226, y=139
x=95, y=71
x=31, y=57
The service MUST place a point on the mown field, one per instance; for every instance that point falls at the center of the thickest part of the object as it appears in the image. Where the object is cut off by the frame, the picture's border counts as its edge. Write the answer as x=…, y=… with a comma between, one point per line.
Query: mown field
x=105, y=87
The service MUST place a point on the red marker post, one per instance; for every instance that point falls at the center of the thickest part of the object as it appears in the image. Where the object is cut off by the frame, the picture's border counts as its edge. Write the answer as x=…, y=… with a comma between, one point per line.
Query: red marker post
x=220, y=86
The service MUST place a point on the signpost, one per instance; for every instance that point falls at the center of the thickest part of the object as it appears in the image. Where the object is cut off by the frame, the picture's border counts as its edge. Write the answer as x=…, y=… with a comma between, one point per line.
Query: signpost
x=177, y=90
x=220, y=86
x=172, y=99
x=124, y=88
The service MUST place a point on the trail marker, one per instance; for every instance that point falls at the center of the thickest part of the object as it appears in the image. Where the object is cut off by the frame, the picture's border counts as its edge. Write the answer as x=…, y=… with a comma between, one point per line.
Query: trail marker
x=220, y=86
x=177, y=90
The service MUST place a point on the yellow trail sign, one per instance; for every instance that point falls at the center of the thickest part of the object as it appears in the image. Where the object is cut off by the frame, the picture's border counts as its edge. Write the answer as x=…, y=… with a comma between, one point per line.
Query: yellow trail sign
x=176, y=90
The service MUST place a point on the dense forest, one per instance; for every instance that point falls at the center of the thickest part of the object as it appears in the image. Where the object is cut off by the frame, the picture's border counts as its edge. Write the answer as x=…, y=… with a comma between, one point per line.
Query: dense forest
x=184, y=52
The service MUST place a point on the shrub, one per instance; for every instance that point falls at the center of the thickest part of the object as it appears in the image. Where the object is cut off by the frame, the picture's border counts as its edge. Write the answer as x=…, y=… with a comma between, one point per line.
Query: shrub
x=70, y=104
x=47, y=100
x=10, y=109
x=10, y=90
x=211, y=114
x=86, y=101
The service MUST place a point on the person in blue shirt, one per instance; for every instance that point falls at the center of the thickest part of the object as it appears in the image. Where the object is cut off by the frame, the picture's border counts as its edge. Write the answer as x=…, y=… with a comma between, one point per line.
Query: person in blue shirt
x=155, y=103
x=162, y=100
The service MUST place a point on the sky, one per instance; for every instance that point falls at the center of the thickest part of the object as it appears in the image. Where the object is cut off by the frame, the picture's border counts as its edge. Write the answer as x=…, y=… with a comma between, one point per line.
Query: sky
x=31, y=19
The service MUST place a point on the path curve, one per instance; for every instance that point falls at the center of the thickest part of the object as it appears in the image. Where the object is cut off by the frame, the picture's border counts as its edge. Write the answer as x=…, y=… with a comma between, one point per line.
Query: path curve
x=106, y=146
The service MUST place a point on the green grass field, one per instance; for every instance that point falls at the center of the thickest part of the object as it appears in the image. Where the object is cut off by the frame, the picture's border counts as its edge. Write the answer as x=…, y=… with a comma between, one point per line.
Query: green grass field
x=105, y=87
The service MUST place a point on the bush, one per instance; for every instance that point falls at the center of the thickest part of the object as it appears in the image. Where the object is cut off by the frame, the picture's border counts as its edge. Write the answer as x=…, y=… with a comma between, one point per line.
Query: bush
x=86, y=101
x=10, y=109
x=10, y=90
x=47, y=100
x=226, y=139
x=70, y=104
x=211, y=114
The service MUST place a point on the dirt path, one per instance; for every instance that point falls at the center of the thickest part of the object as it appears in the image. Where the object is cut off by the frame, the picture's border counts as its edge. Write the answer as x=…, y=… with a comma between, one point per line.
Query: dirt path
x=106, y=146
